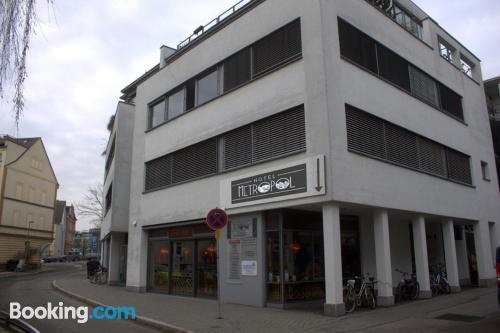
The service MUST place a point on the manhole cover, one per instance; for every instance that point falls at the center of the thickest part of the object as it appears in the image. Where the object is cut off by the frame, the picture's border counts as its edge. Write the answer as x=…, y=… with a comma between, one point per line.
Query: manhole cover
x=459, y=317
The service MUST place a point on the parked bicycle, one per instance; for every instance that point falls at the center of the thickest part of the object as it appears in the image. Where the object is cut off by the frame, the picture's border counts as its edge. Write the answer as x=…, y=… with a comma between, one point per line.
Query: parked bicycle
x=100, y=276
x=408, y=287
x=439, y=281
x=358, y=292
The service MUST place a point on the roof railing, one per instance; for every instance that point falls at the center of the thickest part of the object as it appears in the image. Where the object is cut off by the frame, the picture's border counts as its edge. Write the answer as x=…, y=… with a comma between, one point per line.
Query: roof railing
x=204, y=28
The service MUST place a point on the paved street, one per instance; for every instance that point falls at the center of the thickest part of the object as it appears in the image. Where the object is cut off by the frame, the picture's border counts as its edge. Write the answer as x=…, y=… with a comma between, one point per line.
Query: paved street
x=199, y=315
x=36, y=290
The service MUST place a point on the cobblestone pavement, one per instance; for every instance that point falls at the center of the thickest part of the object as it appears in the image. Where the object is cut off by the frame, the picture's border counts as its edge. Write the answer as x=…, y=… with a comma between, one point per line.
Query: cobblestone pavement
x=199, y=315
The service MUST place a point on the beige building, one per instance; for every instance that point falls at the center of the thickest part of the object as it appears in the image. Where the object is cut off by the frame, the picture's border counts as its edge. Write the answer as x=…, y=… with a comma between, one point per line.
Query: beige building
x=28, y=189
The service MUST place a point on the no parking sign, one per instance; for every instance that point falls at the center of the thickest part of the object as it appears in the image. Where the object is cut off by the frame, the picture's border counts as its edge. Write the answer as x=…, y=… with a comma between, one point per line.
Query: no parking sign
x=216, y=219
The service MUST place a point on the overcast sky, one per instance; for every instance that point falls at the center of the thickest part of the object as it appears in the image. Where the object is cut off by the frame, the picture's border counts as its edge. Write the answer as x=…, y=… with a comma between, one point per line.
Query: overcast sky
x=86, y=51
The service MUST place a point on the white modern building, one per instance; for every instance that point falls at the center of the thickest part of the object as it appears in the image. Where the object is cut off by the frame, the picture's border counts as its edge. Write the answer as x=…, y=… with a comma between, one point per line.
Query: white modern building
x=341, y=137
x=116, y=189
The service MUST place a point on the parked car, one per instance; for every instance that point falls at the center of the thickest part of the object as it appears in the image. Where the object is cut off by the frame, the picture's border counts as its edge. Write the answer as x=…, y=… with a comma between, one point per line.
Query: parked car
x=498, y=274
x=50, y=259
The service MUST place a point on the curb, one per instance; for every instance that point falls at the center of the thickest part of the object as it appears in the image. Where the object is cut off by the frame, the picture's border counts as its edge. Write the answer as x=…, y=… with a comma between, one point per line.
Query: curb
x=21, y=274
x=145, y=321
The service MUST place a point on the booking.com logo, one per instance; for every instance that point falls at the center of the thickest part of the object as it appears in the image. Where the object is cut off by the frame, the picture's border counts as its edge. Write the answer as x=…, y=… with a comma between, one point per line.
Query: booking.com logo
x=80, y=313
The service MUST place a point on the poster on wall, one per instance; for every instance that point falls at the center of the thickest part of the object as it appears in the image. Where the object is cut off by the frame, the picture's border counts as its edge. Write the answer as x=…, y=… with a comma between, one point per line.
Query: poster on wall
x=234, y=259
x=249, y=267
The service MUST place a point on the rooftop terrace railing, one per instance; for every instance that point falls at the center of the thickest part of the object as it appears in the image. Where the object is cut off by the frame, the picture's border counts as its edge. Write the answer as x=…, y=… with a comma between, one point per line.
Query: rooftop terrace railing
x=204, y=28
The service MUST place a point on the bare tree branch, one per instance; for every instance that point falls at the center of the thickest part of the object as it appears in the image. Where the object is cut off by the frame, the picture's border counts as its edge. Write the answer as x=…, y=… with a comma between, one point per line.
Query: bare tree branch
x=17, y=22
x=92, y=205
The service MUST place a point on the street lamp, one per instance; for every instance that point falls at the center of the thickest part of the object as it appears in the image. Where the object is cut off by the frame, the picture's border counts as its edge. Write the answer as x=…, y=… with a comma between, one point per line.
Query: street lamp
x=27, y=244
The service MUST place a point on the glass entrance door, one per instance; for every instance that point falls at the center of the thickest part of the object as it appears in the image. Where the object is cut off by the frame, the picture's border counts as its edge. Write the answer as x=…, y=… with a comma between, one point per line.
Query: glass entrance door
x=160, y=265
x=206, y=272
x=183, y=267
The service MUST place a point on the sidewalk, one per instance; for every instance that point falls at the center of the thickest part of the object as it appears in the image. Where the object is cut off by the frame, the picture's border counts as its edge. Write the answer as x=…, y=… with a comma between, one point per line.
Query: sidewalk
x=5, y=274
x=199, y=315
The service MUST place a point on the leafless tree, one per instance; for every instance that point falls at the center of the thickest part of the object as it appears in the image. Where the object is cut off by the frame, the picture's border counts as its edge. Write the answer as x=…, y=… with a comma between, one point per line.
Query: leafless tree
x=17, y=22
x=92, y=205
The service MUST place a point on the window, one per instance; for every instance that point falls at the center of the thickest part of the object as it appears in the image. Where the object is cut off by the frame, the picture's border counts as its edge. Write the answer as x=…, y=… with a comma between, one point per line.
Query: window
x=19, y=191
x=466, y=65
x=386, y=64
x=272, y=137
x=375, y=137
x=207, y=87
x=16, y=217
x=423, y=86
x=1, y=158
x=195, y=161
x=237, y=69
x=409, y=22
x=276, y=48
x=111, y=155
x=176, y=104
x=157, y=114
x=32, y=194
x=446, y=51
x=357, y=46
x=190, y=94
x=43, y=198
x=109, y=197
x=485, y=170
x=392, y=67
x=450, y=101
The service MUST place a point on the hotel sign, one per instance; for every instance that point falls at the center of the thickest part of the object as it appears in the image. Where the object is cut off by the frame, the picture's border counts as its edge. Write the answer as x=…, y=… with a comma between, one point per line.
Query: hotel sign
x=276, y=183
x=288, y=181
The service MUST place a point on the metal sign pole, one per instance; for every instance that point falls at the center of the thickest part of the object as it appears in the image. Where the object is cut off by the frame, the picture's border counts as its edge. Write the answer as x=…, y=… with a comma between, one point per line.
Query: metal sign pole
x=218, y=276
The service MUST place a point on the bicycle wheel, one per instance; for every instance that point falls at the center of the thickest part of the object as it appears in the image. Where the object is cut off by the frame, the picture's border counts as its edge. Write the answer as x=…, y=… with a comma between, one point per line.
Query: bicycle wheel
x=370, y=298
x=350, y=301
x=415, y=291
x=446, y=287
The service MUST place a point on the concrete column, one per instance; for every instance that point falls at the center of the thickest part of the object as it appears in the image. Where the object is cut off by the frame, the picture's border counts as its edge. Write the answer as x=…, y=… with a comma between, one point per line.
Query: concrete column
x=383, y=257
x=421, y=259
x=450, y=253
x=114, y=259
x=137, y=258
x=484, y=255
x=334, y=303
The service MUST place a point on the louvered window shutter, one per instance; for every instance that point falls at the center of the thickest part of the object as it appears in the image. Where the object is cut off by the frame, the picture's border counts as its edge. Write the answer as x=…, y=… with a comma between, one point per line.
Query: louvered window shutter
x=276, y=48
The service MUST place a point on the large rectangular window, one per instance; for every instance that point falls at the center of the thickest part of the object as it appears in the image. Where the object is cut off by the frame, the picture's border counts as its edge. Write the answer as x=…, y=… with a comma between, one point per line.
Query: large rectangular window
x=357, y=46
x=109, y=197
x=272, y=137
x=361, y=49
x=237, y=69
x=276, y=48
x=375, y=137
x=423, y=86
